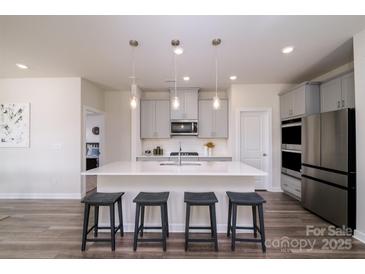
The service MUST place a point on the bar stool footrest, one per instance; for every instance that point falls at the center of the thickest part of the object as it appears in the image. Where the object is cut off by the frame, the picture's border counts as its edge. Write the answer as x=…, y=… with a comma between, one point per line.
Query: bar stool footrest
x=247, y=227
x=150, y=240
x=196, y=240
x=99, y=240
x=149, y=227
x=200, y=227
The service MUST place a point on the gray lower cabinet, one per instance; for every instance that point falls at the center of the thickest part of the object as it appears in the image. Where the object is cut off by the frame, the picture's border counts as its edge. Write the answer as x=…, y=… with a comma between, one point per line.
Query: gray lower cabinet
x=291, y=186
x=338, y=93
x=155, y=119
x=213, y=123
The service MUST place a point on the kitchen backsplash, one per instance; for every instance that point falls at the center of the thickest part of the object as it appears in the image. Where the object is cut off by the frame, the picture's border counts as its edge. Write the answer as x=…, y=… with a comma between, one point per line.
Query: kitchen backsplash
x=188, y=143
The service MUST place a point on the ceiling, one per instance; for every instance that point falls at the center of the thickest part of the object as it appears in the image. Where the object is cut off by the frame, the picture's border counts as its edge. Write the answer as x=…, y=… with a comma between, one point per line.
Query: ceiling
x=97, y=48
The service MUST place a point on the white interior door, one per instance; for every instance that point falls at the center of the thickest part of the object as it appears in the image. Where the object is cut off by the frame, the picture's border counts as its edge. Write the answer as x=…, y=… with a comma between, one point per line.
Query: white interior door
x=254, y=143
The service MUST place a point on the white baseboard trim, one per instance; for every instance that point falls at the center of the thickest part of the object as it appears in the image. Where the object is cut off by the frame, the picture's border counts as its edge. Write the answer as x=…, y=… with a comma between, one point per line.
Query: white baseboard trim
x=221, y=228
x=358, y=235
x=73, y=196
x=274, y=189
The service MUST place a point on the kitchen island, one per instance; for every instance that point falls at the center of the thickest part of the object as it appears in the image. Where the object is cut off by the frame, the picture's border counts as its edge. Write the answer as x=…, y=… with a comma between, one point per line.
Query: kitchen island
x=134, y=177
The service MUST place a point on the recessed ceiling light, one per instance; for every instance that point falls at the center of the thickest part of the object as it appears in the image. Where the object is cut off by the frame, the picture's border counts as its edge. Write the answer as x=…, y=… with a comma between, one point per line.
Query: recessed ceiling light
x=21, y=66
x=186, y=78
x=233, y=77
x=287, y=50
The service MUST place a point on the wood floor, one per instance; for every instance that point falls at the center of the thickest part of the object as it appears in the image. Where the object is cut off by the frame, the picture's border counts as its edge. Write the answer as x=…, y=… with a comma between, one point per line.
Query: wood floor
x=52, y=229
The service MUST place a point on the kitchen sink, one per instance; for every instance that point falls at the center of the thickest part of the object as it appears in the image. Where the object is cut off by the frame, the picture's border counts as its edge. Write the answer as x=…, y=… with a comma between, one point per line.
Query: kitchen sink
x=183, y=164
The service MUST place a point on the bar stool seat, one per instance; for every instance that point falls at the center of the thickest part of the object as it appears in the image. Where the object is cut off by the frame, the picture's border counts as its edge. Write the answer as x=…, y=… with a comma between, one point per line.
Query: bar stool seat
x=97, y=199
x=142, y=200
x=246, y=199
x=151, y=197
x=201, y=199
x=102, y=198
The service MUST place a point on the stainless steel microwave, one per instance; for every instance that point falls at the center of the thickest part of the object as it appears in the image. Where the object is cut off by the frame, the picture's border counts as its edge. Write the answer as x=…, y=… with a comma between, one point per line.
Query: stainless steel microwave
x=184, y=127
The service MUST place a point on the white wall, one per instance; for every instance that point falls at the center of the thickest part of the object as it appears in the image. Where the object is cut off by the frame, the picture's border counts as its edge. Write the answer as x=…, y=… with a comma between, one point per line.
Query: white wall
x=93, y=120
x=117, y=126
x=335, y=72
x=92, y=95
x=260, y=96
x=50, y=167
x=359, y=60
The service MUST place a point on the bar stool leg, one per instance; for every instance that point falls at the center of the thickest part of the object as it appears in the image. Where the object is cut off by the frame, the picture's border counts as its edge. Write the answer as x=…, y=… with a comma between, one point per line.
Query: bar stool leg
x=96, y=220
x=214, y=225
x=211, y=221
x=136, y=225
x=262, y=227
x=254, y=221
x=142, y=220
x=167, y=221
x=163, y=227
x=112, y=226
x=234, y=223
x=229, y=218
x=120, y=213
x=85, y=226
x=187, y=226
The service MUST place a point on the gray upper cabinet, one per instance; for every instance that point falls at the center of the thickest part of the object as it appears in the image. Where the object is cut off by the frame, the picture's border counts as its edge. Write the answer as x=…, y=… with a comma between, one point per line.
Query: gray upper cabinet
x=188, y=109
x=213, y=123
x=301, y=101
x=155, y=122
x=348, y=91
x=331, y=95
x=338, y=93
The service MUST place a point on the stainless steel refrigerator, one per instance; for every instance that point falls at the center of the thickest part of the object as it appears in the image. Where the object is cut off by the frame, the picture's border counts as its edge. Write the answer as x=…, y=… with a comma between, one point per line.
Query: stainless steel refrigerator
x=329, y=166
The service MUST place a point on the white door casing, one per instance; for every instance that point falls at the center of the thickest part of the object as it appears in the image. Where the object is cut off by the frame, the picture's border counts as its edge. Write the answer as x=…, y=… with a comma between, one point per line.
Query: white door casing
x=254, y=147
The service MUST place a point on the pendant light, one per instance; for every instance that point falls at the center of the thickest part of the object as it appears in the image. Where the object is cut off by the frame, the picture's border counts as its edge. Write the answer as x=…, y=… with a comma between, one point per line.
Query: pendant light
x=133, y=100
x=216, y=101
x=178, y=50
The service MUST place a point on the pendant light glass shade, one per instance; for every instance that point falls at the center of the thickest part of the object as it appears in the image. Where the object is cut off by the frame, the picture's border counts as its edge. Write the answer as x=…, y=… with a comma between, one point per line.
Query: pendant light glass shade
x=133, y=98
x=216, y=102
x=133, y=102
x=175, y=100
x=176, y=103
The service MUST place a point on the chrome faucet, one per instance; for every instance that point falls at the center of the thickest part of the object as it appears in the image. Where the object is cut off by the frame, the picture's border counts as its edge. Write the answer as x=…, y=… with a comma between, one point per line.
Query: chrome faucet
x=179, y=154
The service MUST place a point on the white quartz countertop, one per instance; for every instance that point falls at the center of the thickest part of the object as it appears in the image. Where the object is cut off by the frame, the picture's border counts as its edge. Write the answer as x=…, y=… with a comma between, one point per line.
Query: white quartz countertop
x=144, y=168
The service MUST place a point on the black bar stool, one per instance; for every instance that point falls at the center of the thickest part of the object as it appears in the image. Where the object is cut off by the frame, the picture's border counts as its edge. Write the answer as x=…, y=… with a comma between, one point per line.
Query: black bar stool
x=142, y=200
x=246, y=199
x=102, y=199
x=201, y=199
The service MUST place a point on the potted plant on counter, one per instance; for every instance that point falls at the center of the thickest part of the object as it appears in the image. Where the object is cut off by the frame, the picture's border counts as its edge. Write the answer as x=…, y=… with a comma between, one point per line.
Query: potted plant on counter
x=208, y=148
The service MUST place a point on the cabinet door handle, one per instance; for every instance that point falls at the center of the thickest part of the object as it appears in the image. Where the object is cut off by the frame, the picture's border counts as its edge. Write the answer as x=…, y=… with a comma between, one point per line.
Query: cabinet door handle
x=338, y=104
x=343, y=103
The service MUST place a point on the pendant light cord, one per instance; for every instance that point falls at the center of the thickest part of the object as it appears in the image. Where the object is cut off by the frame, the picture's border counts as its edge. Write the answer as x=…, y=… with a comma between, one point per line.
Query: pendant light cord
x=175, y=75
x=133, y=67
x=216, y=72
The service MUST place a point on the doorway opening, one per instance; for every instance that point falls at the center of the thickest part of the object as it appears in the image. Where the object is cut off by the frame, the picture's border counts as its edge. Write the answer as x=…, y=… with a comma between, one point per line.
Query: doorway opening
x=92, y=146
